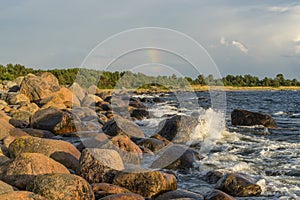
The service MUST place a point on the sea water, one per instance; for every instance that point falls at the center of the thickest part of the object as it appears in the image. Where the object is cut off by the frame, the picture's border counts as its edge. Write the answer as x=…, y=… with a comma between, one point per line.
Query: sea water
x=270, y=157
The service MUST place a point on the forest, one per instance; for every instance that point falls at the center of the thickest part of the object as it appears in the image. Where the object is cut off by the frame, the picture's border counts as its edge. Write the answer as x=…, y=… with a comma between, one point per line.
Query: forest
x=108, y=80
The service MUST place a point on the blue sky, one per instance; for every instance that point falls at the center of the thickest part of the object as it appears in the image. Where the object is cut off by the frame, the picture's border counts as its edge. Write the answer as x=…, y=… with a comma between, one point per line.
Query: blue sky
x=243, y=37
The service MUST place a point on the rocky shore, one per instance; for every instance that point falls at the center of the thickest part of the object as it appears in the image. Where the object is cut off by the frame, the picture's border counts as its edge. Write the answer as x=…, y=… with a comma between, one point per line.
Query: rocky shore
x=60, y=142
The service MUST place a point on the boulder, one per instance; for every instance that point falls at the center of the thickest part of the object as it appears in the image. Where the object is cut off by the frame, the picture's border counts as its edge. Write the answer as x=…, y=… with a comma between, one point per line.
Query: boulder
x=40, y=86
x=218, y=195
x=24, y=195
x=22, y=116
x=17, y=98
x=122, y=126
x=93, y=89
x=62, y=187
x=212, y=177
x=99, y=165
x=175, y=157
x=237, y=185
x=83, y=112
x=128, y=150
x=180, y=194
x=77, y=91
x=3, y=104
x=54, y=120
x=4, y=187
x=61, y=99
x=61, y=151
x=38, y=133
x=140, y=114
x=91, y=100
x=125, y=196
x=18, y=123
x=22, y=170
x=178, y=129
x=9, y=130
x=152, y=144
x=105, y=189
x=136, y=103
x=248, y=118
x=31, y=108
x=146, y=183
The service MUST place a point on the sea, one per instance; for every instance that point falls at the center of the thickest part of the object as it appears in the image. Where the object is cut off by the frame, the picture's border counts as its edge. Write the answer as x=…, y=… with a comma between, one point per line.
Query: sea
x=270, y=157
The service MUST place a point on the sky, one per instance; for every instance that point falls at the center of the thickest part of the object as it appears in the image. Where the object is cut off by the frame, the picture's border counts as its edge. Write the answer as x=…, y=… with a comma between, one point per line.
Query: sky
x=258, y=37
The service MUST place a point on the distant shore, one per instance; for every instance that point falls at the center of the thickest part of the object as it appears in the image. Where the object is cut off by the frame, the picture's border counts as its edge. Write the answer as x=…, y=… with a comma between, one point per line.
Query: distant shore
x=198, y=88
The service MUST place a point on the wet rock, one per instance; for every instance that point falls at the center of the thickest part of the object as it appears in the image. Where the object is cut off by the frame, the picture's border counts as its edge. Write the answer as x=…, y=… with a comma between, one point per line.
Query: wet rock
x=4, y=187
x=136, y=103
x=38, y=133
x=140, y=114
x=178, y=129
x=62, y=187
x=61, y=151
x=24, y=195
x=40, y=86
x=248, y=118
x=237, y=185
x=122, y=126
x=56, y=121
x=212, y=177
x=105, y=189
x=180, y=194
x=147, y=184
x=152, y=144
x=123, y=197
x=218, y=195
x=99, y=165
x=175, y=157
x=22, y=170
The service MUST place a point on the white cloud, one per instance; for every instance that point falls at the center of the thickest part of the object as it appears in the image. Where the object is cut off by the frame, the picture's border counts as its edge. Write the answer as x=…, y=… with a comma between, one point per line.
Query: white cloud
x=240, y=46
x=235, y=44
x=279, y=9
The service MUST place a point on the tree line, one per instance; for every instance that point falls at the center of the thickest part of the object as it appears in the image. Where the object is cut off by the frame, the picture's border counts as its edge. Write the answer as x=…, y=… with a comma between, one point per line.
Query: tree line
x=108, y=80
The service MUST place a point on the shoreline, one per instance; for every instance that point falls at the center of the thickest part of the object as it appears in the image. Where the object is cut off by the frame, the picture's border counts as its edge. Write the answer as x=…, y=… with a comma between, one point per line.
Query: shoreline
x=196, y=88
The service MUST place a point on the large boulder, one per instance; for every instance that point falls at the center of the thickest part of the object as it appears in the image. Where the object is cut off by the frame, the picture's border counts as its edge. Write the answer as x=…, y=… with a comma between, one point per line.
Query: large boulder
x=175, y=157
x=63, y=98
x=248, y=118
x=91, y=100
x=7, y=129
x=40, y=86
x=105, y=189
x=99, y=165
x=77, y=91
x=128, y=150
x=4, y=187
x=178, y=129
x=38, y=133
x=62, y=187
x=22, y=116
x=180, y=194
x=218, y=195
x=31, y=108
x=54, y=120
x=146, y=183
x=24, y=195
x=22, y=170
x=212, y=177
x=237, y=185
x=17, y=98
x=126, y=196
x=152, y=144
x=122, y=126
x=61, y=151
